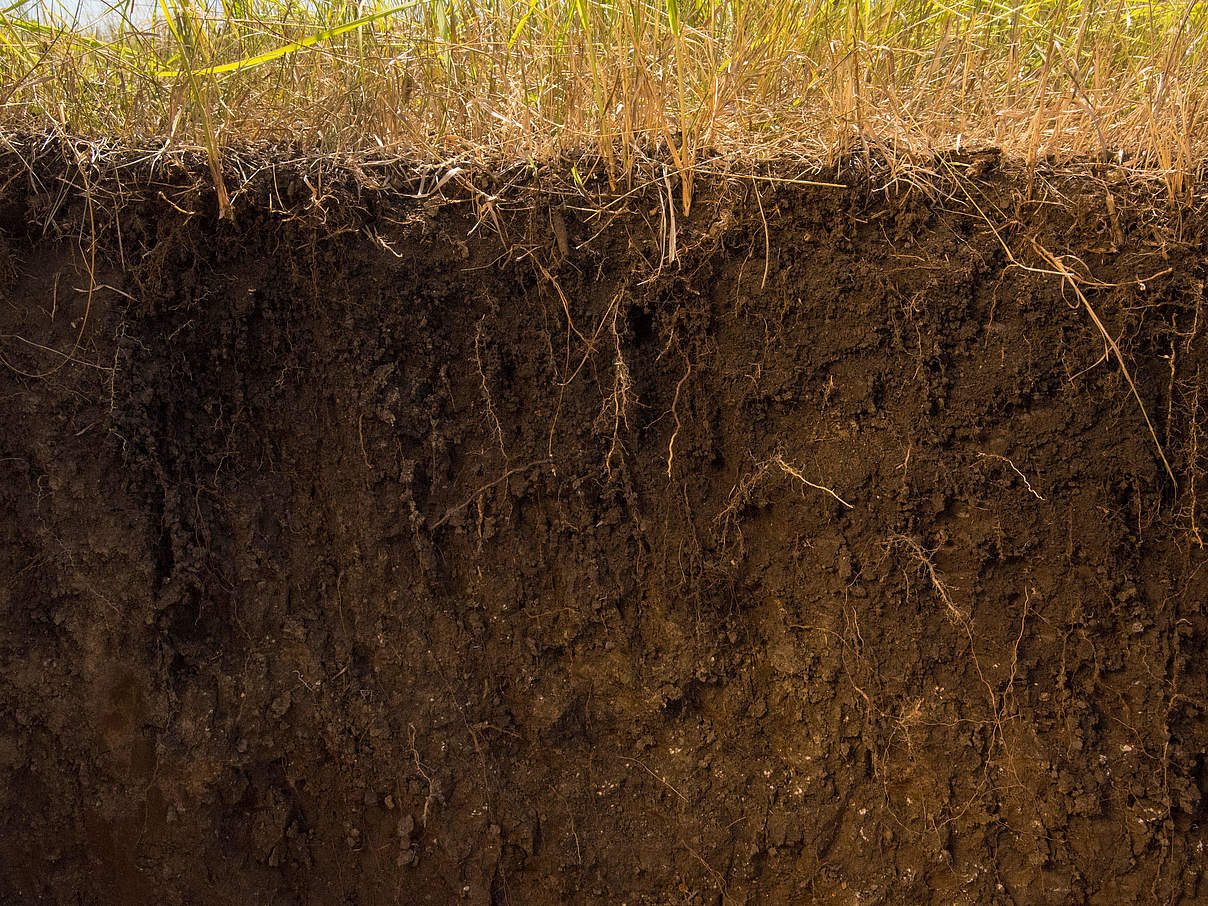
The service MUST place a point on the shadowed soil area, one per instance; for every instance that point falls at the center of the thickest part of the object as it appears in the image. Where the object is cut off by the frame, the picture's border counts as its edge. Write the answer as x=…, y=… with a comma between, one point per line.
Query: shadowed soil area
x=513, y=545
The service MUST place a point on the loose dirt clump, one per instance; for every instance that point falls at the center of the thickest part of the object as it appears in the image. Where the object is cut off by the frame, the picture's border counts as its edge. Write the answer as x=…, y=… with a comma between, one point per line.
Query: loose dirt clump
x=488, y=547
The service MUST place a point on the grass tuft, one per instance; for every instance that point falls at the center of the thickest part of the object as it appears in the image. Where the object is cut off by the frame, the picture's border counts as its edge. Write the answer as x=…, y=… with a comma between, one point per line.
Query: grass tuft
x=756, y=79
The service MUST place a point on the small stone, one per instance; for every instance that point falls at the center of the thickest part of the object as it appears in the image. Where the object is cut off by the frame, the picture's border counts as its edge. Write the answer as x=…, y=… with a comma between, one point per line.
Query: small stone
x=406, y=826
x=843, y=566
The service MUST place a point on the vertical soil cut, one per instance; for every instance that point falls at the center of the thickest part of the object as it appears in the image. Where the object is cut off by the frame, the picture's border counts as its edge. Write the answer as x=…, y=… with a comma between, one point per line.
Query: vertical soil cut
x=467, y=548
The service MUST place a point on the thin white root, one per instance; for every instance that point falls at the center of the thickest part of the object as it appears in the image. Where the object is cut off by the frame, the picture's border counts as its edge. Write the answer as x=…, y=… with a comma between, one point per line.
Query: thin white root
x=789, y=470
x=1015, y=468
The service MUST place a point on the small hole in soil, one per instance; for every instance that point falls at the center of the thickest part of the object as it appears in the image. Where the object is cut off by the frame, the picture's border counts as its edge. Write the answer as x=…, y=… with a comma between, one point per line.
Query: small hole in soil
x=641, y=322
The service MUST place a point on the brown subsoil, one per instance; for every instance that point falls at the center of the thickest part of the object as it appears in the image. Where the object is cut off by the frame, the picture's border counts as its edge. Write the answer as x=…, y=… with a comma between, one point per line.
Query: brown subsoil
x=384, y=549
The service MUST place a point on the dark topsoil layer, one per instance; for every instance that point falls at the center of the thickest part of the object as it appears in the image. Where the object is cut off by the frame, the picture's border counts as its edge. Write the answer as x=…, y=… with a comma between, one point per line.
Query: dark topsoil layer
x=380, y=549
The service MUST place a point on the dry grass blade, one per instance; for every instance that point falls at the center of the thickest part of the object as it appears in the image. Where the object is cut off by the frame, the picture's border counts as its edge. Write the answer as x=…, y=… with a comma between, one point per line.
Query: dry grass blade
x=522, y=78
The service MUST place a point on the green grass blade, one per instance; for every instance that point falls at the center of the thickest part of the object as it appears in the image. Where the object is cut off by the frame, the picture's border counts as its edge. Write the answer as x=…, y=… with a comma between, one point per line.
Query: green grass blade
x=286, y=49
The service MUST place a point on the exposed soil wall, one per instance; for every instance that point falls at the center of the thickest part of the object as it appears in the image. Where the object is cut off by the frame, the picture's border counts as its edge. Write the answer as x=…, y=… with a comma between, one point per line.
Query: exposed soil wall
x=380, y=549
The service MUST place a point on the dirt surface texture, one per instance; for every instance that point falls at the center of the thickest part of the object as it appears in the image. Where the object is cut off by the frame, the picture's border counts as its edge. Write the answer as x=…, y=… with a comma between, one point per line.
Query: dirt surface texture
x=516, y=537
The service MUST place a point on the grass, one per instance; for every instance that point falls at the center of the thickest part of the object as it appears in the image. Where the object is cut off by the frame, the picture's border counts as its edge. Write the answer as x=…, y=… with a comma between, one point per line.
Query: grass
x=753, y=79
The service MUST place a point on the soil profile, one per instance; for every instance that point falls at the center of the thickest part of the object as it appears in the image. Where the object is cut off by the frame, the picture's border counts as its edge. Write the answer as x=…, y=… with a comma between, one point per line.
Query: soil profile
x=526, y=541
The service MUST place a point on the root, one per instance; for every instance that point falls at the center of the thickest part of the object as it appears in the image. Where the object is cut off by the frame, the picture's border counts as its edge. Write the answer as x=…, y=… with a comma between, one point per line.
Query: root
x=616, y=405
x=767, y=242
x=669, y=255
x=1057, y=268
x=434, y=794
x=923, y=556
x=486, y=391
x=1015, y=468
x=739, y=495
x=1193, y=456
x=789, y=470
x=742, y=491
x=486, y=487
x=675, y=415
x=361, y=438
x=997, y=700
x=1072, y=281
